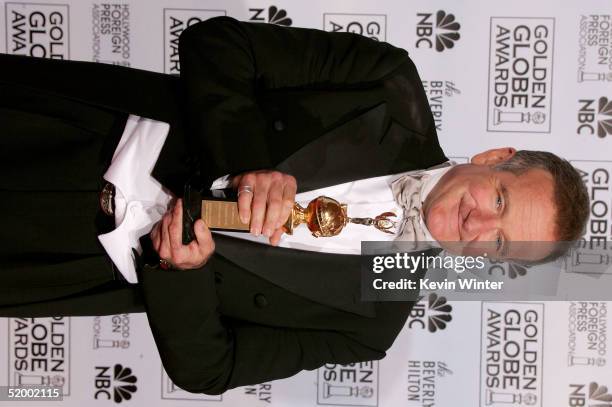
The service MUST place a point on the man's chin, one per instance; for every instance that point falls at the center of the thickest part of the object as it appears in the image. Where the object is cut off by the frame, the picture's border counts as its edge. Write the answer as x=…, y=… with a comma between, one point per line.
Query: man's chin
x=448, y=242
x=440, y=233
x=453, y=247
x=460, y=248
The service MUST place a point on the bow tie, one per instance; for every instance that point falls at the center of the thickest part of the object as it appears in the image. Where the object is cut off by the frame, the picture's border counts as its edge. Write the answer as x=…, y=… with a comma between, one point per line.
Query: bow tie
x=407, y=192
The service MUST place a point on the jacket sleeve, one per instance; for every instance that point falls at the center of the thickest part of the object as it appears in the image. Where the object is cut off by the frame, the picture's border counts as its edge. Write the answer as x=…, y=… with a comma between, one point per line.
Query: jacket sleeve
x=227, y=64
x=203, y=352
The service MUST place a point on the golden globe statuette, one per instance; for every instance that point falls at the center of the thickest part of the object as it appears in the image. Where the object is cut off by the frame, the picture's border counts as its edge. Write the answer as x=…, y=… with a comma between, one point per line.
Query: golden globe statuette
x=324, y=217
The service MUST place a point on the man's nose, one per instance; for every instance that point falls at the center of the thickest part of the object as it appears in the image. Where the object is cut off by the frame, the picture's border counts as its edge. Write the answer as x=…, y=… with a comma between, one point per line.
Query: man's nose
x=479, y=222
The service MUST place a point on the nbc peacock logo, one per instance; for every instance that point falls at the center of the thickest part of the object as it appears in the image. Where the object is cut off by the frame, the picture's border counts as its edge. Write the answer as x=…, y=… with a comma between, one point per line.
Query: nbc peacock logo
x=504, y=268
x=433, y=314
x=443, y=32
x=604, y=122
x=593, y=395
x=272, y=15
x=121, y=383
x=595, y=116
x=447, y=31
x=516, y=270
x=439, y=312
x=124, y=383
x=599, y=393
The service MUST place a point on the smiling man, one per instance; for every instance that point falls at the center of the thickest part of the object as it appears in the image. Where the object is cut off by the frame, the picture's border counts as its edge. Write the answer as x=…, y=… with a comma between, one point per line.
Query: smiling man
x=278, y=115
x=505, y=196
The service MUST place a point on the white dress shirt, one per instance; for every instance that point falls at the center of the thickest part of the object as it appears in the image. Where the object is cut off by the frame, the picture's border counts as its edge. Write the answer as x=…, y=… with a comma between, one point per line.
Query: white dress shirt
x=365, y=198
x=141, y=201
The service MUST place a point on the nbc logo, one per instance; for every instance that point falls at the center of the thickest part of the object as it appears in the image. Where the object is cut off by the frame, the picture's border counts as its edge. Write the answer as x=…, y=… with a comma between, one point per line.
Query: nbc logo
x=444, y=32
x=122, y=383
x=275, y=16
x=595, y=115
x=604, y=124
x=515, y=270
x=434, y=315
x=598, y=395
x=504, y=268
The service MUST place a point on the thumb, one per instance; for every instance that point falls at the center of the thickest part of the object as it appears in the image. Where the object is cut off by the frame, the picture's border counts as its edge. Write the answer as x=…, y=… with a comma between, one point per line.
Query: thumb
x=200, y=228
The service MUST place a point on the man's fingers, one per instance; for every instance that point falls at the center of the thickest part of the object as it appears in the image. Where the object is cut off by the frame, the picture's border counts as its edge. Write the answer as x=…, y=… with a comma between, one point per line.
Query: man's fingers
x=166, y=236
x=288, y=201
x=176, y=227
x=205, y=244
x=182, y=255
x=285, y=213
x=197, y=252
x=155, y=238
x=245, y=197
x=165, y=249
x=258, y=208
x=273, y=210
x=244, y=207
x=276, y=236
x=267, y=204
x=201, y=248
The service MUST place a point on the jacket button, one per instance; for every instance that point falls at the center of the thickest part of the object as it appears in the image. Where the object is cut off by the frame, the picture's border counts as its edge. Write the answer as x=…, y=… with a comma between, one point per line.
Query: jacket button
x=279, y=125
x=218, y=277
x=260, y=301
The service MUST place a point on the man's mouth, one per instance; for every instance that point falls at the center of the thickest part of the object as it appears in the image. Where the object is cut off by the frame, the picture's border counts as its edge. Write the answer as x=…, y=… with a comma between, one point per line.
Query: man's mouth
x=463, y=212
x=459, y=219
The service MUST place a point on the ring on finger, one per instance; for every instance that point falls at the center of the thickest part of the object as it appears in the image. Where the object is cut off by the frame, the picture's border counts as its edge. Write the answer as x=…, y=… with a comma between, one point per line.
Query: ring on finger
x=245, y=188
x=165, y=264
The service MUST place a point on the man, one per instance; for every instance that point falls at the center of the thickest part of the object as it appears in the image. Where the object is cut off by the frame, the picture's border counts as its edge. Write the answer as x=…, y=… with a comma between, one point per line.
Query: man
x=279, y=111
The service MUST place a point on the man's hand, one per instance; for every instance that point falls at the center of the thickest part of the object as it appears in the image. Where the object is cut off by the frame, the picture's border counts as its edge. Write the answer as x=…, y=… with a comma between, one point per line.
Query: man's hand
x=166, y=237
x=269, y=203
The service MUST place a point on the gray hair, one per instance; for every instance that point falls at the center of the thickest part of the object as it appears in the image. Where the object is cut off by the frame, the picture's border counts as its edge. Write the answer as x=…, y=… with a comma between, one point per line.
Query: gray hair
x=571, y=198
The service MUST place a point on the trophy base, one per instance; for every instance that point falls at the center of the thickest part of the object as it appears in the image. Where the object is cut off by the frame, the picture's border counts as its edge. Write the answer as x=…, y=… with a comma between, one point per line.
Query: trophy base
x=218, y=214
x=222, y=215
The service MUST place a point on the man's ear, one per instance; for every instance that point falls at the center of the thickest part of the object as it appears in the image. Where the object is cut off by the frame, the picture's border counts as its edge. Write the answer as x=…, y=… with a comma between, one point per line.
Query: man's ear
x=493, y=156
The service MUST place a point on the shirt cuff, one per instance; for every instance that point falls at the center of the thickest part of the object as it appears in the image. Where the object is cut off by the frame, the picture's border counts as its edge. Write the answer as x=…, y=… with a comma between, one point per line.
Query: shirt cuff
x=219, y=185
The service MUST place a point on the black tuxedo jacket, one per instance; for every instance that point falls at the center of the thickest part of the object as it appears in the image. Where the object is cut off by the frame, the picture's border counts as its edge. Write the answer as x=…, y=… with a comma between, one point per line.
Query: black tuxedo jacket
x=325, y=107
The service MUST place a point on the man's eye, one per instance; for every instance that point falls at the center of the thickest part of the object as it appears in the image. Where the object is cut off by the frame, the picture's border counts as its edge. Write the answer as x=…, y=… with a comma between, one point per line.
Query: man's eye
x=498, y=202
x=498, y=242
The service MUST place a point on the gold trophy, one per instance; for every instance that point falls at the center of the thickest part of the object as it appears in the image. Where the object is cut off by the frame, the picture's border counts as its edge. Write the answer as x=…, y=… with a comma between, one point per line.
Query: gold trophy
x=324, y=216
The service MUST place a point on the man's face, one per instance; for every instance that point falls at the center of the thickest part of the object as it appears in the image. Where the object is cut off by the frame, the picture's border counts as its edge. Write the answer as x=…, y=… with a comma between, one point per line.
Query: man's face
x=484, y=210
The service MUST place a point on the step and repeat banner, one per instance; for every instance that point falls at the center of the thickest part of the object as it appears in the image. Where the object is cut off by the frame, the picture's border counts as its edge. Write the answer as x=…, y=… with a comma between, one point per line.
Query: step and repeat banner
x=529, y=74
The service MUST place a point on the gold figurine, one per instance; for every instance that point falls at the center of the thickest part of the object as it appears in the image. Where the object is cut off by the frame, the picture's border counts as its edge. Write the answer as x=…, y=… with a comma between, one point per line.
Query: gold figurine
x=326, y=217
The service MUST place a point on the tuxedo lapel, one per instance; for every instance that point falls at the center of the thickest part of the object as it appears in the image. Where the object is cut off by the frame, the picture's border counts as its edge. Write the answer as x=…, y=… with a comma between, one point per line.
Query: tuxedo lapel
x=335, y=156
x=370, y=145
x=329, y=279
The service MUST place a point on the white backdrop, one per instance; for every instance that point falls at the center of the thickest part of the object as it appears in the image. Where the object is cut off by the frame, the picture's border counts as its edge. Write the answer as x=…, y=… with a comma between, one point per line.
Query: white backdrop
x=531, y=74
